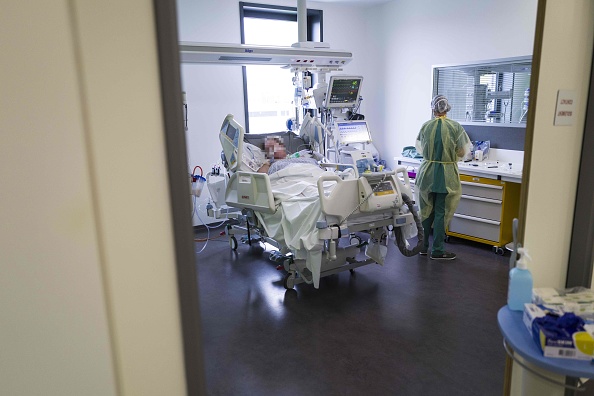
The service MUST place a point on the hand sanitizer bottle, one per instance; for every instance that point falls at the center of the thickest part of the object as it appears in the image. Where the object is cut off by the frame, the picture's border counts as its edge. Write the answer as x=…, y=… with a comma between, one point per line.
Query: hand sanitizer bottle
x=520, y=283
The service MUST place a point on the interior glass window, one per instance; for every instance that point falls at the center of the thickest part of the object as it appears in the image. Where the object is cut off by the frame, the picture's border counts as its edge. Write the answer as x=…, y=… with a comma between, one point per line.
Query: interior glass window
x=494, y=92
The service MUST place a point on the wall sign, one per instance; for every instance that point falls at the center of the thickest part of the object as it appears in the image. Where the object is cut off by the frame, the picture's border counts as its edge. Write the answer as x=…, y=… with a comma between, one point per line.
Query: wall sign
x=565, y=110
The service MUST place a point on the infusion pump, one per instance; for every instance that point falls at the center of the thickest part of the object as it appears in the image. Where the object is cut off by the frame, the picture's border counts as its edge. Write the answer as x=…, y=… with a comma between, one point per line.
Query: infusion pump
x=379, y=190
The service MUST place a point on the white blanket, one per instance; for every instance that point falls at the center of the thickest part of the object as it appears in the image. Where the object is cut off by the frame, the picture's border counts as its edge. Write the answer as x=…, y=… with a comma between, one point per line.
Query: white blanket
x=293, y=225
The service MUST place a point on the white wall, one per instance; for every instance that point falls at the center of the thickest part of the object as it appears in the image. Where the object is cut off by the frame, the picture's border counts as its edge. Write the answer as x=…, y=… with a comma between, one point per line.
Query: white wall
x=88, y=292
x=393, y=47
x=565, y=64
x=53, y=315
x=415, y=35
x=127, y=147
x=213, y=91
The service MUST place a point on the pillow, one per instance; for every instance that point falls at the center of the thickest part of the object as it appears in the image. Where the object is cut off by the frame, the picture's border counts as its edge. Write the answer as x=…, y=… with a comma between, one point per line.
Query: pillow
x=253, y=157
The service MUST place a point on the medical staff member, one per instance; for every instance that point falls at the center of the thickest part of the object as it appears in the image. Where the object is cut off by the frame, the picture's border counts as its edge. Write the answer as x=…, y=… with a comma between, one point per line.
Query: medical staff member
x=442, y=142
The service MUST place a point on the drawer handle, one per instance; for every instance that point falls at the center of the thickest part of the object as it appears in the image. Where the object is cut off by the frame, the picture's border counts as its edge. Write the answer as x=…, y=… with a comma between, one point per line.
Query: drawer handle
x=493, y=222
x=488, y=200
x=481, y=185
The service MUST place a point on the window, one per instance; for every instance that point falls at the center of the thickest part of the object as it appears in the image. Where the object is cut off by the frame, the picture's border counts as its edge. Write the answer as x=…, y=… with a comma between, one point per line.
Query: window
x=269, y=90
x=494, y=92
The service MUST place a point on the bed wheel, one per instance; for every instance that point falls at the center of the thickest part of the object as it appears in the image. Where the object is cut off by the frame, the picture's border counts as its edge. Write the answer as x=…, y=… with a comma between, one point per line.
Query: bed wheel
x=352, y=271
x=498, y=250
x=446, y=239
x=289, y=281
x=233, y=243
x=355, y=240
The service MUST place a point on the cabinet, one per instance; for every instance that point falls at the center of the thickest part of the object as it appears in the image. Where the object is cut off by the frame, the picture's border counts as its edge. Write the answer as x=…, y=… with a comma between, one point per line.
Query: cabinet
x=486, y=211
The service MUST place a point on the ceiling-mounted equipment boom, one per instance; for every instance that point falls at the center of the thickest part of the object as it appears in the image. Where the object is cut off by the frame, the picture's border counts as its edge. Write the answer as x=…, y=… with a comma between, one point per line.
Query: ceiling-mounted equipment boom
x=301, y=54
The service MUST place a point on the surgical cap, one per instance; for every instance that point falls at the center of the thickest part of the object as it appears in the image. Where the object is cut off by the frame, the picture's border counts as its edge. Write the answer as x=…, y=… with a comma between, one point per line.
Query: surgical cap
x=440, y=104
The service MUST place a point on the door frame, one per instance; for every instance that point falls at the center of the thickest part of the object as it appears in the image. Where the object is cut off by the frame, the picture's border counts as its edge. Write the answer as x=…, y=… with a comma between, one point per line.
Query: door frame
x=177, y=168
x=582, y=243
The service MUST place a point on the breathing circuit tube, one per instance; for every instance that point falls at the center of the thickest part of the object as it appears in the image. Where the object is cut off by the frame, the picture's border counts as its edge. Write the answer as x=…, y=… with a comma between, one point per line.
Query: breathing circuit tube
x=400, y=241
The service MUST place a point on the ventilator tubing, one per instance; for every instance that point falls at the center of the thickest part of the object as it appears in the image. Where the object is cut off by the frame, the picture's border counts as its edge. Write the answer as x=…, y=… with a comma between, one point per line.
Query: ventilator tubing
x=400, y=241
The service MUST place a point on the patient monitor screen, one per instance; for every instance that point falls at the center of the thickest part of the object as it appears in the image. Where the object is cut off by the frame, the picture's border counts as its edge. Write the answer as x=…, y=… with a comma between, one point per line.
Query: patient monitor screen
x=353, y=132
x=230, y=139
x=343, y=91
x=231, y=132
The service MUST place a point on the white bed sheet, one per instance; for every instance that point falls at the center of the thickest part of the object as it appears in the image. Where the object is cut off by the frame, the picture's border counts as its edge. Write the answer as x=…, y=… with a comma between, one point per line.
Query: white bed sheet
x=293, y=224
x=296, y=195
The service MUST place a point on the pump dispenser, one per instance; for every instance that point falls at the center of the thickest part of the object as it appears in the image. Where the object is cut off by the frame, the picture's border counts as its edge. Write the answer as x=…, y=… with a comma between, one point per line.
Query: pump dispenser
x=520, y=283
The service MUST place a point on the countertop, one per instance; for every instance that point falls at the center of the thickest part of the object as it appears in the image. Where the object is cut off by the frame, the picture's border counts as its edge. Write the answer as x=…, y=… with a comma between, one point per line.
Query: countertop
x=489, y=169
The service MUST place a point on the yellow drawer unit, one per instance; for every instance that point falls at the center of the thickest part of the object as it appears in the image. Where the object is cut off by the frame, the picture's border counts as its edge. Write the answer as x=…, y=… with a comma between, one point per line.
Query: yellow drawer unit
x=486, y=211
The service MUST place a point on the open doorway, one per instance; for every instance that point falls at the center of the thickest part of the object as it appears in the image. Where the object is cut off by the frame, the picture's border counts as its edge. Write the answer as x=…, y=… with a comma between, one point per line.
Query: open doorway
x=185, y=193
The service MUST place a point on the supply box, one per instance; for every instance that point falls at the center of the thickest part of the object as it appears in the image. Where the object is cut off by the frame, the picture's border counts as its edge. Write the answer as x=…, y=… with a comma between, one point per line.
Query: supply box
x=557, y=344
x=531, y=312
x=577, y=300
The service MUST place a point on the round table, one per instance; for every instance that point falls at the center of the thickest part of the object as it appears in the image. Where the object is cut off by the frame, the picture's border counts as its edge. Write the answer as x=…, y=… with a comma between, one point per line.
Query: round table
x=516, y=335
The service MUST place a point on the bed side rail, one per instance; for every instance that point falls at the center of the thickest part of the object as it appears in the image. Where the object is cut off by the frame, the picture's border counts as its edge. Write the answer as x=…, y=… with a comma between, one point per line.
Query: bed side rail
x=404, y=180
x=343, y=198
x=339, y=167
x=250, y=190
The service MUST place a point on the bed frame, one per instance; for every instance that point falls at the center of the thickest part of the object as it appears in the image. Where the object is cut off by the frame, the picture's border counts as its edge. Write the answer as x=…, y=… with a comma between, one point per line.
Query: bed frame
x=251, y=192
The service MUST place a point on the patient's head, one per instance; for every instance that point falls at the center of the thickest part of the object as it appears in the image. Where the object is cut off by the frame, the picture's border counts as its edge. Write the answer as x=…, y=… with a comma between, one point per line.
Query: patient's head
x=275, y=148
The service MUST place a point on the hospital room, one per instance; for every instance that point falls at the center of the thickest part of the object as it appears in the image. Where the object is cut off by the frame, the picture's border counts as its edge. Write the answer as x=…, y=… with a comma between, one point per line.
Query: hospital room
x=347, y=291
x=401, y=205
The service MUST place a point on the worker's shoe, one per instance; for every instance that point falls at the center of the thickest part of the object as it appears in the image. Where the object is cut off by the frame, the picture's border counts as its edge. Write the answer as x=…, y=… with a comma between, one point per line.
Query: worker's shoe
x=443, y=256
x=423, y=252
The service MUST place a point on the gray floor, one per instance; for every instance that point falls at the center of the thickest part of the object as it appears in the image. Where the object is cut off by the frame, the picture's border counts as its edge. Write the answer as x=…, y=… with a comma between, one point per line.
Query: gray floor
x=412, y=327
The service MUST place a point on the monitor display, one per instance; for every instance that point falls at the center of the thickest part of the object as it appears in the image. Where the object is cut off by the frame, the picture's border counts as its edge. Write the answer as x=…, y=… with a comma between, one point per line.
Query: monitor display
x=231, y=133
x=353, y=132
x=343, y=91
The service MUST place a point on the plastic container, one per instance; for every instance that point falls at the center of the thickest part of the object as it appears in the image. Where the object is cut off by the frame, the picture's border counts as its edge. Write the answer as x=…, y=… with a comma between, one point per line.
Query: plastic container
x=520, y=283
x=217, y=185
x=198, y=185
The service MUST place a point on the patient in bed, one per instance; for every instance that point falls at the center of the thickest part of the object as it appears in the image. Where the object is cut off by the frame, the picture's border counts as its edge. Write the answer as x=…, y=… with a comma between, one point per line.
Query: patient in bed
x=275, y=158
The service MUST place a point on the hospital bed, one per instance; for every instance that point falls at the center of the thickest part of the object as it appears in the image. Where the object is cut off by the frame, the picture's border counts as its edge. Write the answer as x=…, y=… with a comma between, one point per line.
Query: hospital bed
x=314, y=215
